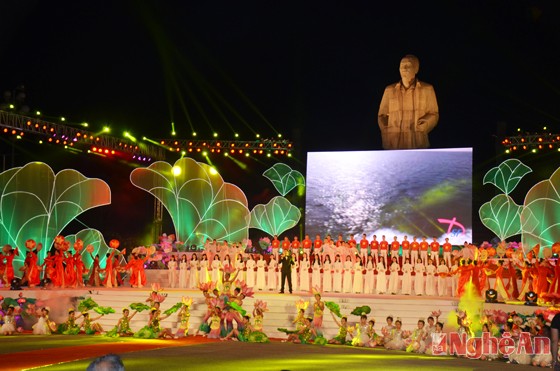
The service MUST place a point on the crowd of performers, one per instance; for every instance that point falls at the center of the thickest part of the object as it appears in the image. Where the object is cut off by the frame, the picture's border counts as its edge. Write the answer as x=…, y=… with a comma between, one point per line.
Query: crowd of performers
x=415, y=267
x=347, y=268
x=63, y=267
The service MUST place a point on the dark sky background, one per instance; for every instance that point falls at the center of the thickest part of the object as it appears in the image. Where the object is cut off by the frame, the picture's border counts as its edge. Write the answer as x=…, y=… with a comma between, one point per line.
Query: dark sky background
x=313, y=71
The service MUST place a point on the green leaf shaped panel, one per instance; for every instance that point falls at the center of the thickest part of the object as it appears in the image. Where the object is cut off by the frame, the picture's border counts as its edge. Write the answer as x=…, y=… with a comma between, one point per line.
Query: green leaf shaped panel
x=277, y=216
x=284, y=178
x=507, y=175
x=200, y=203
x=540, y=219
x=37, y=204
x=502, y=216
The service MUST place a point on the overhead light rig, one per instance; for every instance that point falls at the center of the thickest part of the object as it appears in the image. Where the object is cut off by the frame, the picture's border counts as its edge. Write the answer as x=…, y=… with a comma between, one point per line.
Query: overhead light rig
x=532, y=142
x=260, y=146
x=98, y=143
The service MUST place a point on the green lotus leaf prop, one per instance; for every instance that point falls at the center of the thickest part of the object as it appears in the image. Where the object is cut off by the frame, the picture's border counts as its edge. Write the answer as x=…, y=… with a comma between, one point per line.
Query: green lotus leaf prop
x=277, y=216
x=200, y=203
x=507, y=175
x=87, y=305
x=139, y=307
x=284, y=178
x=104, y=310
x=540, y=218
x=36, y=203
x=502, y=216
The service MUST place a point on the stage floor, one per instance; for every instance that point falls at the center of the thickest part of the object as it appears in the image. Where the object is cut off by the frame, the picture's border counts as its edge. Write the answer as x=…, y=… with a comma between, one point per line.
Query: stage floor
x=58, y=352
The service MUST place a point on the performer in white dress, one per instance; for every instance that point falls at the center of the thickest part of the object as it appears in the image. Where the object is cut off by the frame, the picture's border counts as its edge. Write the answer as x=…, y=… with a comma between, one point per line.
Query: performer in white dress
x=442, y=273
x=272, y=274
x=251, y=276
x=239, y=265
x=394, y=276
x=430, y=278
x=172, y=271
x=304, y=266
x=193, y=277
x=347, y=279
x=183, y=272
x=407, y=269
x=261, y=283
x=203, y=272
x=337, y=276
x=419, y=270
x=381, y=277
x=358, y=284
x=216, y=266
x=369, y=278
x=327, y=274
x=316, y=274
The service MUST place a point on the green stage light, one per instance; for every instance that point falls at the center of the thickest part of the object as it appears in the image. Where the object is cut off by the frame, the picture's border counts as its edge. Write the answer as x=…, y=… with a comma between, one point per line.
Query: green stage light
x=544, y=128
x=85, y=124
x=215, y=135
x=236, y=135
x=204, y=153
x=12, y=106
x=534, y=150
x=227, y=154
x=279, y=135
x=173, y=133
x=194, y=134
x=106, y=129
x=268, y=155
x=176, y=170
x=38, y=113
x=258, y=135
x=62, y=119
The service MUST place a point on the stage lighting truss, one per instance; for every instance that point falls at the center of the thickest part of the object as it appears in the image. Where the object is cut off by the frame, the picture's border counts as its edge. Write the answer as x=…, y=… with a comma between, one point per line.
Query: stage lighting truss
x=16, y=124
x=532, y=142
x=277, y=147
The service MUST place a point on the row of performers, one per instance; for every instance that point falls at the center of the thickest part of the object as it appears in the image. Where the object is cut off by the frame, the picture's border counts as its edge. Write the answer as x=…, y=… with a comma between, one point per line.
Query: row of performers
x=378, y=249
x=224, y=310
x=66, y=269
x=352, y=276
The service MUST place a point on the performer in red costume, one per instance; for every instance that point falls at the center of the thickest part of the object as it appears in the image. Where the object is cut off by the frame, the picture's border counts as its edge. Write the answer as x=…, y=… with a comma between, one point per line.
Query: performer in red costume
x=464, y=271
x=395, y=247
x=447, y=247
x=275, y=247
x=295, y=245
x=307, y=244
x=286, y=244
x=364, y=244
x=374, y=249
x=543, y=272
x=424, y=250
x=511, y=287
x=405, y=244
x=80, y=269
x=109, y=280
x=414, y=248
x=59, y=279
x=70, y=271
x=499, y=284
x=434, y=250
x=383, y=247
x=317, y=244
x=9, y=267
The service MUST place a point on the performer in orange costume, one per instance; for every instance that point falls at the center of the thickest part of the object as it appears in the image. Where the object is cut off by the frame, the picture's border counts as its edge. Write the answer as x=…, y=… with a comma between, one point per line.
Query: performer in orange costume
x=395, y=247
x=414, y=247
x=447, y=247
x=405, y=244
x=275, y=246
x=464, y=271
x=307, y=243
x=499, y=285
x=543, y=272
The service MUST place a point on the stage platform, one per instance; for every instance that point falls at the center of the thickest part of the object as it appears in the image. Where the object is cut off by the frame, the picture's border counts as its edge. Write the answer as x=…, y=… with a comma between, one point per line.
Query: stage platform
x=281, y=314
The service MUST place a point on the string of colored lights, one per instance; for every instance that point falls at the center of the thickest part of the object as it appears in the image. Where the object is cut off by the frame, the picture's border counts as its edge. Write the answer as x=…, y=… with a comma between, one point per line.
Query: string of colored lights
x=532, y=142
x=257, y=147
x=100, y=143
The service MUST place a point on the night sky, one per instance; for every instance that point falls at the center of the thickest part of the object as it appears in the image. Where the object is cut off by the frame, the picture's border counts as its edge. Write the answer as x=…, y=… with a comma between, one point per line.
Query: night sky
x=313, y=71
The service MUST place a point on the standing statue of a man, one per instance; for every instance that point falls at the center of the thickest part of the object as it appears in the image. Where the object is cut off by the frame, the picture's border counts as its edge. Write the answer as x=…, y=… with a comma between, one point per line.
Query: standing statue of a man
x=408, y=109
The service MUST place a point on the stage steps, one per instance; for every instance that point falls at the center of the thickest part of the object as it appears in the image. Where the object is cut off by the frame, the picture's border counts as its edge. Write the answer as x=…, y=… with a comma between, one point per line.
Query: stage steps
x=282, y=310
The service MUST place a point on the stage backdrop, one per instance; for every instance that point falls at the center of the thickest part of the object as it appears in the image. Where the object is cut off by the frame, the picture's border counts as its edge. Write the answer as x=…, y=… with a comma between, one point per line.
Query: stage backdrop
x=391, y=193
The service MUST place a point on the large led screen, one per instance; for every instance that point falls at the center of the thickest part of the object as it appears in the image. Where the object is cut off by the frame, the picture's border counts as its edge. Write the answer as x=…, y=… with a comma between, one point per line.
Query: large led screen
x=391, y=193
